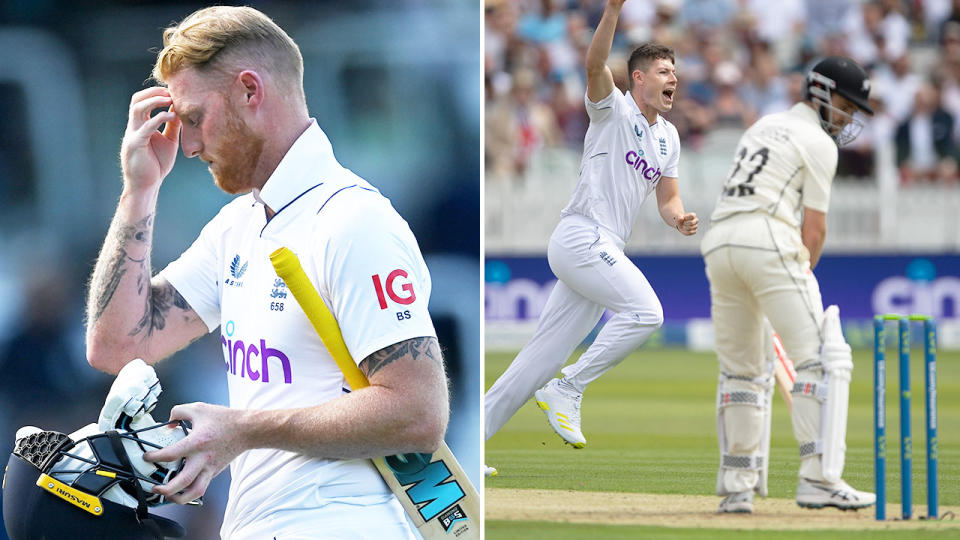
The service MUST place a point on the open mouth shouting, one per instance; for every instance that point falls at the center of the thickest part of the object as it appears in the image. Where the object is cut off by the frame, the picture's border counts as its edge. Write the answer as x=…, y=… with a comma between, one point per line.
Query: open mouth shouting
x=668, y=95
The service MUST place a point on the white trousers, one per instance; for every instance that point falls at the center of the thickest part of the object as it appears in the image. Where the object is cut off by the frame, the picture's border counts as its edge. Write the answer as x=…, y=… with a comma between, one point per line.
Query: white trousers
x=757, y=267
x=593, y=274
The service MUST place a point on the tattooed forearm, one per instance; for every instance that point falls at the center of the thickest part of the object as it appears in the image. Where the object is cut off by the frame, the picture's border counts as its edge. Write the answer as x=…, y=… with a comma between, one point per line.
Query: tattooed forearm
x=425, y=348
x=114, y=274
x=113, y=263
x=161, y=299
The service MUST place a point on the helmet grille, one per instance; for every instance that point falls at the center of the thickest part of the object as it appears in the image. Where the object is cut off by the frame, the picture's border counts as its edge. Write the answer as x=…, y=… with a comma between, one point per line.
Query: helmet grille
x=38, y=448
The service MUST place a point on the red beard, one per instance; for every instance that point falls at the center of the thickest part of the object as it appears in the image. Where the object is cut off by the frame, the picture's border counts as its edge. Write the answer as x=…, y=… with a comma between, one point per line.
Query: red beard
x=233, y=170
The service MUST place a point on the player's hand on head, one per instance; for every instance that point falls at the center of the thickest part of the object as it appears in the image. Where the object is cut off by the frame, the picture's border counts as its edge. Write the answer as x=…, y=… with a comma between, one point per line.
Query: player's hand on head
x=146, y=154
x=214, y=441
x=687, y=223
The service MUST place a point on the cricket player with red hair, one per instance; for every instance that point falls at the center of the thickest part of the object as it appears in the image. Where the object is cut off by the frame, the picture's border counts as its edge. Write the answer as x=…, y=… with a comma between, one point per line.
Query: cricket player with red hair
x=295, y=436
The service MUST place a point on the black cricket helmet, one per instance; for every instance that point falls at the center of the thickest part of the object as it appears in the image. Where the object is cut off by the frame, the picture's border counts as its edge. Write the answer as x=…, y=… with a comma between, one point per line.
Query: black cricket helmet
x=56, y=488
x=843, y=76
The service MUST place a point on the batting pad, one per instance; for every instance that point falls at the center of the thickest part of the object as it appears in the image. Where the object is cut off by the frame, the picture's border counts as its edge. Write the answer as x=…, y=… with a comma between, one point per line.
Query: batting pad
x=743, y=432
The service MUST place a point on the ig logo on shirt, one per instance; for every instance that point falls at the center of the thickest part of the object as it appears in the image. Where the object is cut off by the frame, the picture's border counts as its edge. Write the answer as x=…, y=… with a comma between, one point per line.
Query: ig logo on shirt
x=400, y=292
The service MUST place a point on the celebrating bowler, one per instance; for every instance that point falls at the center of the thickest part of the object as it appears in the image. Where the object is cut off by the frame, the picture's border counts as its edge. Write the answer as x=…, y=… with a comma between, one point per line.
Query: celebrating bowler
x=630, y=151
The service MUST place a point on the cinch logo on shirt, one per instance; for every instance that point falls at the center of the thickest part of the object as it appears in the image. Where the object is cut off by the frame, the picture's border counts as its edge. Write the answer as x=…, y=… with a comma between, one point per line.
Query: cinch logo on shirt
x=237, y=353
x=407, y=296
x=236, y=271
x=640, y=164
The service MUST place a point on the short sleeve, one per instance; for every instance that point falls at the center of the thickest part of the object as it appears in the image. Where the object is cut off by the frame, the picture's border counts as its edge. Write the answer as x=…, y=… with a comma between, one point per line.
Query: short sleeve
x=606, y=108
x=194, y=274
x=375, y=277
x=821, y=166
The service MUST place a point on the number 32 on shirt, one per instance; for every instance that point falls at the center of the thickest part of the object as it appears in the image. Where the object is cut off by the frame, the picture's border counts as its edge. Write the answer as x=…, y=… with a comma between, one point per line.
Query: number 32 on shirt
x=754, y=164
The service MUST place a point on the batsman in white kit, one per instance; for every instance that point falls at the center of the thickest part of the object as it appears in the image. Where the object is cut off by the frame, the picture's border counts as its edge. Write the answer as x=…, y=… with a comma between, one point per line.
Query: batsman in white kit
x=296, y=436
x=630, y=151
x=766, y=236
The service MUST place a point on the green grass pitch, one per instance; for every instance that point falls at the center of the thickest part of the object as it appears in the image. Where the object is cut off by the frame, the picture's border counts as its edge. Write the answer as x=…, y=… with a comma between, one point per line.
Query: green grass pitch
x=651, y=428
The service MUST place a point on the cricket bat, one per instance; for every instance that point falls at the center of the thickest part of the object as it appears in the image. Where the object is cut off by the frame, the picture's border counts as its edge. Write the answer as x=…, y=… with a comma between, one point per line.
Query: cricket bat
x=433, y=489
x=783, y=371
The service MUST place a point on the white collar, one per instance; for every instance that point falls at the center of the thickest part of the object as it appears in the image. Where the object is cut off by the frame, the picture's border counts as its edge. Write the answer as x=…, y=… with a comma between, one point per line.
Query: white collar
x=636, y=109
x=304, y=166
x=805, y=111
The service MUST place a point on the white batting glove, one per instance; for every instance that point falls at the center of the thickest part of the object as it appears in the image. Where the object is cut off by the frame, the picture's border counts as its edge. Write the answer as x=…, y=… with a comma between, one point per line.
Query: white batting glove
x=134, y=393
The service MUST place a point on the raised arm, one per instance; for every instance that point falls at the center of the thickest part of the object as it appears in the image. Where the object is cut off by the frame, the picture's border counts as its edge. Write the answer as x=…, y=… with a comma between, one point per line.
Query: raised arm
x=404, y=410
x=671, y=207
x=128, y=314
x=599, y=76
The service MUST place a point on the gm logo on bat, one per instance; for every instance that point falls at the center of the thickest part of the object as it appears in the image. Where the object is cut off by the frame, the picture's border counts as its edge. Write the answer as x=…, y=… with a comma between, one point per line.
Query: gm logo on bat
x=430, y=487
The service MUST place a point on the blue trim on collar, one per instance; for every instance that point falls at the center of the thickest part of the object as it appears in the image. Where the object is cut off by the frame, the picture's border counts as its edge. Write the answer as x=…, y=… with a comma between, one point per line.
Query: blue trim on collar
x=333, y=194
x=277, y=213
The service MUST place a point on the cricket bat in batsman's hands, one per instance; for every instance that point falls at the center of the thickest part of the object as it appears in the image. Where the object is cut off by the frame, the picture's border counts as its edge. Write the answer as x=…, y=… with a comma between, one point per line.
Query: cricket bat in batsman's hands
x=433, y=489
x=783, y=371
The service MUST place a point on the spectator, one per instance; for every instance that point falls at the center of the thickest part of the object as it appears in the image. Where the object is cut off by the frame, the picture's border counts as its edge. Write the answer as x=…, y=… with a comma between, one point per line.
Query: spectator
x=953, y=16
x=498, y=30
x=547, y=29
x=546, y=25
x=900, y=85
x=878, y=32
x=707, y=15
x=935, y=13
x=895, y=29
x=826, y=17
x=925, y=147
x=570, y=112
x=704, y=64
x=948, y=72
x=857, y=160
x=780, y=24
x=665, y=29
x=730, y=110
x=636, y=19
x=518, y=126
x=766, y=89
x=864, y=33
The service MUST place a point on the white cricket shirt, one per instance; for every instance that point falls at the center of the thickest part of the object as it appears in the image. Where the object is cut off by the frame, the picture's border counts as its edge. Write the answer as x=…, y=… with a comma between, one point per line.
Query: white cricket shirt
x=783, y=163
x=624, y=157
x=364, y=261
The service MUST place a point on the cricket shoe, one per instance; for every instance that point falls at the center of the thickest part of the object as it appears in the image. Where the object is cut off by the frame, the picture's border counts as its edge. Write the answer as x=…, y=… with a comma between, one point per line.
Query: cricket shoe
x=489, y=471
x=737, y=503
x=814, y=494
x=562, y=408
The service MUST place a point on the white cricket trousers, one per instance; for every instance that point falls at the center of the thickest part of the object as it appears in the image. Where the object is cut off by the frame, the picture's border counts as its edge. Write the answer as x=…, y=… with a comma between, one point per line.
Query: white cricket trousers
x=757, y=266
x=593, y=274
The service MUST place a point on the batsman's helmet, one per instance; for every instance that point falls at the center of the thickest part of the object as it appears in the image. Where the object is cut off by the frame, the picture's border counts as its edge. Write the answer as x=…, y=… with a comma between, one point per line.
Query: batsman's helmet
x=56, y=488
x=843, y=76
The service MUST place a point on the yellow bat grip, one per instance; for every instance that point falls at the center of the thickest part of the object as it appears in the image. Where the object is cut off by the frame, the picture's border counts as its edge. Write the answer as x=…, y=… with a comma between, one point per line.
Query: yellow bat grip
x=288, y=267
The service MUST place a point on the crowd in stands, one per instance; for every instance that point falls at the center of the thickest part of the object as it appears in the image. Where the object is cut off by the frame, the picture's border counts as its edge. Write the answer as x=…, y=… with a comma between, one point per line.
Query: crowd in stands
x=736, y=61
